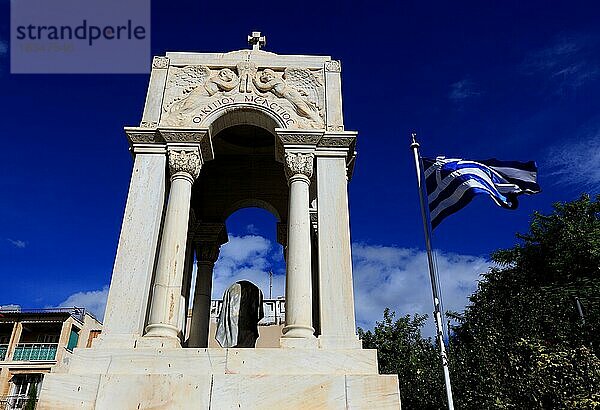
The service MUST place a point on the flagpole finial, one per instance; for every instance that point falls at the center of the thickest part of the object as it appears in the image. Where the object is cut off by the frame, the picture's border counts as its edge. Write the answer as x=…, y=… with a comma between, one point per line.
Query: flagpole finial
x=414, y=144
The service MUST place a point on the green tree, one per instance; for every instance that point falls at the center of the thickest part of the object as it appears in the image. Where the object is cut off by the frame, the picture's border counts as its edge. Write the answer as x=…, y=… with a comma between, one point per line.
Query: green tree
x=521, y=342
x=402, y=350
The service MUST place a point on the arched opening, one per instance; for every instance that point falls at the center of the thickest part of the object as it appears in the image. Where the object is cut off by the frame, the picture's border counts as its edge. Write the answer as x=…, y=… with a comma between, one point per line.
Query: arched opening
x=243, y=173
x=245, y=189
x=251, y=253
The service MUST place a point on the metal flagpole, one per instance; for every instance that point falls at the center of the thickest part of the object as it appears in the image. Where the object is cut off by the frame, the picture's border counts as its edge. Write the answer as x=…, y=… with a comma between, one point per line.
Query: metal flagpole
x=434, y=285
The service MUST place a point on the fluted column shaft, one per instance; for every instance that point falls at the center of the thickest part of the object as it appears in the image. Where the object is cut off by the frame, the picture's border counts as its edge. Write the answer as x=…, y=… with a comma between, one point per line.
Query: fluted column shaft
x=201, y=309
x=184, y=167
x=298, y=289
x=208, y=238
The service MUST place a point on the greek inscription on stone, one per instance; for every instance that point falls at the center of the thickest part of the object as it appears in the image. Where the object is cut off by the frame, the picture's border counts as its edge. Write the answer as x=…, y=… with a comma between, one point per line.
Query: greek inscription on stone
x=203, y=111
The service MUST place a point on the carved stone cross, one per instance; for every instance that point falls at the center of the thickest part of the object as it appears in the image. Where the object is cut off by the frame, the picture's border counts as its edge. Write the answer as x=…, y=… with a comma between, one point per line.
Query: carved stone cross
x=256, y=40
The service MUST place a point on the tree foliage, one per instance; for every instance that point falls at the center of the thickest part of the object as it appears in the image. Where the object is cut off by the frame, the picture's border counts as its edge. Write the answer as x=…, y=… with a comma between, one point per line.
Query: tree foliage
x=402, y=350
x=521, y=343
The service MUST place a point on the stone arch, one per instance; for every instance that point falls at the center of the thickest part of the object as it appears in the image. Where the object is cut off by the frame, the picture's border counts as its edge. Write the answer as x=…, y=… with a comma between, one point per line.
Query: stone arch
x=244, y=171
x=252, y=203
x=243, y=113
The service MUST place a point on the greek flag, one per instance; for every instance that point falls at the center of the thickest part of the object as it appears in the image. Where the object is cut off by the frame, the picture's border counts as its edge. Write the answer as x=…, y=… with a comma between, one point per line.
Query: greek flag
x=452, y=183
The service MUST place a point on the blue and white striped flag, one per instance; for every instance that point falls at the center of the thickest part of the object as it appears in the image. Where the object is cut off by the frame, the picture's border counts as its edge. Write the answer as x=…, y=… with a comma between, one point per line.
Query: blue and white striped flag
x=452, y=183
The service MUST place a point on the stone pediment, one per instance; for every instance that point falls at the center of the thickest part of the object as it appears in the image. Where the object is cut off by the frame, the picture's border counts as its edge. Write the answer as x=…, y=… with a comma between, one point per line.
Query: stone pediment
x=191, y=90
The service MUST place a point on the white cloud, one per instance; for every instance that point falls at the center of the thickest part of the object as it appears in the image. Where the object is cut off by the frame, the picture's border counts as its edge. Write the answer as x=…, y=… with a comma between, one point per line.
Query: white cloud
x=17, y=243
x=384, y=276
x=575, y=162
x=94, y=301
x=394, y=277
x=249, y=257
x=462, y=90
x=11, y=308
x=568, y=63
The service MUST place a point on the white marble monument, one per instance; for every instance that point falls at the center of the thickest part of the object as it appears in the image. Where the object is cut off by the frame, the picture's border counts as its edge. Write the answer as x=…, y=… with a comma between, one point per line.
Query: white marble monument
x=220, y=132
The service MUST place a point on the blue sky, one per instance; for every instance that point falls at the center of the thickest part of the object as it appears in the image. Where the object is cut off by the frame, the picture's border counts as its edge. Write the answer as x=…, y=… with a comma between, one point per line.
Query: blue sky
x=513, y=80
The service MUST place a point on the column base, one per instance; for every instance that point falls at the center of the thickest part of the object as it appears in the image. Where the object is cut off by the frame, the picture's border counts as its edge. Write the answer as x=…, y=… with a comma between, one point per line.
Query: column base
x=298, y=331
x=160, y=335
x=161, y=330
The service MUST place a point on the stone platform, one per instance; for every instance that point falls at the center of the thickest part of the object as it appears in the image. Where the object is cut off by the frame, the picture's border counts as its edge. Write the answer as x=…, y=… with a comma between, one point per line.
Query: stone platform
x=147, y=378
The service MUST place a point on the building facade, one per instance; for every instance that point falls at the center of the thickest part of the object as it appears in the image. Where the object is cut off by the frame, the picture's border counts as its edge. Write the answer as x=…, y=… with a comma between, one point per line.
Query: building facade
x=33, y=342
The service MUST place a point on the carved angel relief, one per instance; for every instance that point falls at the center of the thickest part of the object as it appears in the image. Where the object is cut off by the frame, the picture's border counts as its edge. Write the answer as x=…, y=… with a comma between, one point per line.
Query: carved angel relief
x=295, y=86
x=192, y=91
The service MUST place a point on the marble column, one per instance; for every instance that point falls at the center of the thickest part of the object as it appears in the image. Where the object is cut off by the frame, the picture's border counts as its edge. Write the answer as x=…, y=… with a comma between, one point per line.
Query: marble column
x=208, y=238
x=184, y=166
x=130, y=286
x=187, y=282
x=298, y=289
x=336, y=307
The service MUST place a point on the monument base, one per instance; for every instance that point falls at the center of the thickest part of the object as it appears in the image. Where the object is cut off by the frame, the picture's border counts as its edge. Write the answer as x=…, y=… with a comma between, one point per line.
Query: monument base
x=147, y=378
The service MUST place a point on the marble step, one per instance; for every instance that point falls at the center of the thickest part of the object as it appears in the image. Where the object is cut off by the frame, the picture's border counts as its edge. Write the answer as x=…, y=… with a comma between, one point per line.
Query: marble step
x=224, y=391
x=222, y=361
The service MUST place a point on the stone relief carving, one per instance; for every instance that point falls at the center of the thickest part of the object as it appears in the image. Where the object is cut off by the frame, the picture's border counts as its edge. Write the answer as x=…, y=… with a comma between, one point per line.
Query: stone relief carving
x=333, y=66
x=170, y=136
x=247, y=72
x=297, y=85
x=184, y=161
x=160, y=62
x=336, y=142
x=298, y=163
x=193, y=91
x=195, y=82
x=299, y=138
x=142, y=136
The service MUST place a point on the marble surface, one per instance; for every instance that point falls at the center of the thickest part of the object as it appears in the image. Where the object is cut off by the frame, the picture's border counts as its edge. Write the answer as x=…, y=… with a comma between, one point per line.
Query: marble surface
x=145, y=378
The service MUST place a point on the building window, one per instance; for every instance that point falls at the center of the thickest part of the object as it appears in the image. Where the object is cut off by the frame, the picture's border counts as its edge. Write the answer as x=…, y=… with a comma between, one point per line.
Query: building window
x=4, y=340
x=73, y=339
x=93, y=334
x=48, y=338
x=24, y=389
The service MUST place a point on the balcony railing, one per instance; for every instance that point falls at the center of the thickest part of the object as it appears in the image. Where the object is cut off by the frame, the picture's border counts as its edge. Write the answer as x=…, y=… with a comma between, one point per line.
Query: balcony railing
x=15, y=402
x=3, y=349
x=35, y=351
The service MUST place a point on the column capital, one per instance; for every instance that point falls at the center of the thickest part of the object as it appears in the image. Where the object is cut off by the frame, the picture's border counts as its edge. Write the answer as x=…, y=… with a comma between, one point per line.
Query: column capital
x=207, y=252
x=185, y=161
x=207, y=239
x=299, y=163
